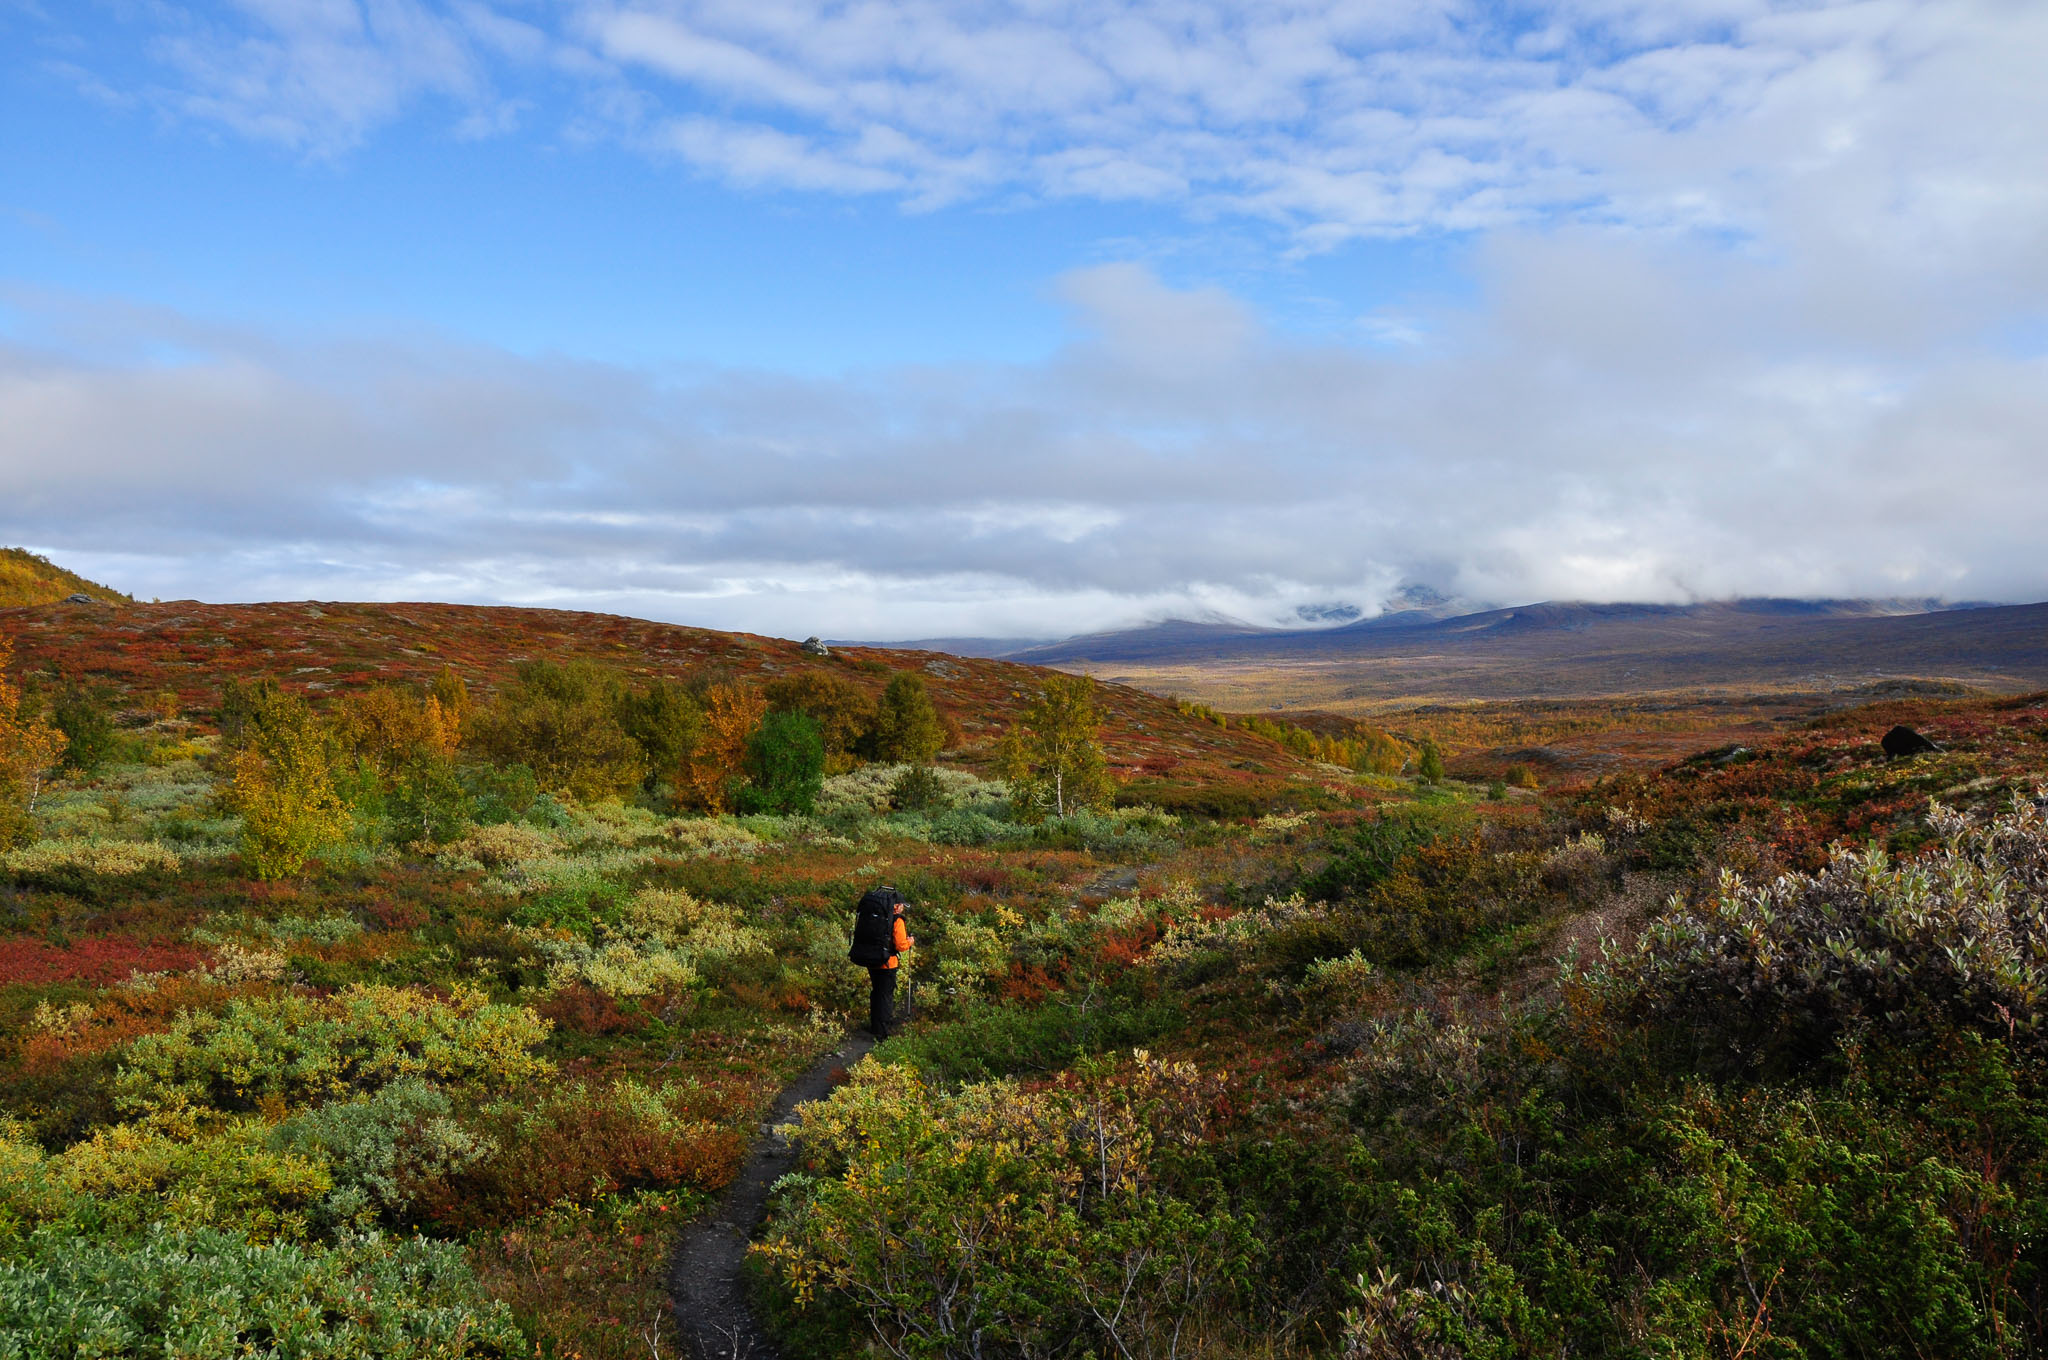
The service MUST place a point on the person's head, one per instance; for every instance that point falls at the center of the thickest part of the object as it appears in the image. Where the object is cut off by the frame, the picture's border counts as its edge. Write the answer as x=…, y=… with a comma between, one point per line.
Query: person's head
x=900, y=907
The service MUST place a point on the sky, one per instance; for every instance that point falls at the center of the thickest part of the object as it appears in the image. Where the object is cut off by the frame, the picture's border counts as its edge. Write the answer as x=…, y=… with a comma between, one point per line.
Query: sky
x=964, y=318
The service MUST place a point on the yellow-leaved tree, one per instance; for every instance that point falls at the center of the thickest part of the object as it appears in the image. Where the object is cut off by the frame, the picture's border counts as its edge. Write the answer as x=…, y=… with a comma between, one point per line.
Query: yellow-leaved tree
x=29, y=751
x=283, y=782
x=1053, y=754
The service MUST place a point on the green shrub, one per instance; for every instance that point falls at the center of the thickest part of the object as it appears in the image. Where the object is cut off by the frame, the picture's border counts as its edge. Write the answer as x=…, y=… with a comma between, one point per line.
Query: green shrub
x=172, y=1170
x=201, y=1292
x=283, y=783
x=92, y=869
x=426, y=802
x=300, y=1050
x=918, y=789
x=667, y=722
x=843, y=711
x=1429, y=767
x=499, y=793
x=382, y=1147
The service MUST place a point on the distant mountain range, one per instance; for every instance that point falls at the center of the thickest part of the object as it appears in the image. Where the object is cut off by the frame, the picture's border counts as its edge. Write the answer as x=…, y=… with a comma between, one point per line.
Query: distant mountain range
x=1564, y=648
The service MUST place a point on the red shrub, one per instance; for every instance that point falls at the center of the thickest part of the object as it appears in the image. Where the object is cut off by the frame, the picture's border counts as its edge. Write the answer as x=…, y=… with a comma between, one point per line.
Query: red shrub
x=98, y=960
x=586, y=1010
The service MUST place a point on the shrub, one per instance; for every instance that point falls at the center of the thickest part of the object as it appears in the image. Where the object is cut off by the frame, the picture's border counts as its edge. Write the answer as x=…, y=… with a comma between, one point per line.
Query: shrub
x=201, y=1292
x=617, y=968
x=391, y=728
x=167, y=1168
x=298, y=1050
x=1781, y=970
x=382, y=1147
x=717, y=764
x=500, y=845
x=427, y=802
x=562, y=722
x=86, y=868
x=581, y=1143
x=29, y=751
x=918, y=789
x=1074, y=1218
x=785, y=764
x=668, y=723
x=500, y=794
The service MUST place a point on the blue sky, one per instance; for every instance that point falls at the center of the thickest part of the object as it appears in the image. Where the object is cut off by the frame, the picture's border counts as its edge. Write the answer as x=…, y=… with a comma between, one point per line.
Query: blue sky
x=947, y=317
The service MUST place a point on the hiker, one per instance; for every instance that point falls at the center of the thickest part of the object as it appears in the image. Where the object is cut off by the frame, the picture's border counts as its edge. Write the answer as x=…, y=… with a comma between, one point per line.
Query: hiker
x=879, y=936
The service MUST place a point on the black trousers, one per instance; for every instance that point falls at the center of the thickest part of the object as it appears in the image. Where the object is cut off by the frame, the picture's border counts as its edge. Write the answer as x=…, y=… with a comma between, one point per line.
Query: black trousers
x=881, y=1001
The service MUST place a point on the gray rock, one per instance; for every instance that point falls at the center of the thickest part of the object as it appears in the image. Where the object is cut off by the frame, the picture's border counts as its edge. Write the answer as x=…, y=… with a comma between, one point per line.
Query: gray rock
x=80, y=598
x=813, y=647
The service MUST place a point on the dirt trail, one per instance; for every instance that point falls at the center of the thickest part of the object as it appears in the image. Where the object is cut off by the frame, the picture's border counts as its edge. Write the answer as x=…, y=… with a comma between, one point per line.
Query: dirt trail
x=705, y=1285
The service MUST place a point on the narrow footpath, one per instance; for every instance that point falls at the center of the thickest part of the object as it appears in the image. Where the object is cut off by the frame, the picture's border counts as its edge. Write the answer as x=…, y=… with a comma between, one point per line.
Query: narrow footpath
x=705, y=1284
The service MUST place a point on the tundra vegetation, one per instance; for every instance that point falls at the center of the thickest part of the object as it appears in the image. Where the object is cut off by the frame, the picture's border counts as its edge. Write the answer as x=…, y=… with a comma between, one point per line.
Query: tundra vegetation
x=367, y=991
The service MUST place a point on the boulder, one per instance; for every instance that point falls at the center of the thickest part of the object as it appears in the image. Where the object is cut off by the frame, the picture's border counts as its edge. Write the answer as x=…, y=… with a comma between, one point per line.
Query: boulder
x=1904, y=741
x=80, y=598
x=813, y=647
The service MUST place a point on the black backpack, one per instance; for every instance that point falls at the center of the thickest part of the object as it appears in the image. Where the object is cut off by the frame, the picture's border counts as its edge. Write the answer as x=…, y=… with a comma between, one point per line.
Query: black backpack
x=874, y=943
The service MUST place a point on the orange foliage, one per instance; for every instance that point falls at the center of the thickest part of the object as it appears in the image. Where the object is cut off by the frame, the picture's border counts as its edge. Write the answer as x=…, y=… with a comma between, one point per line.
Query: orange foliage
x=388, y=727
x=731, y=713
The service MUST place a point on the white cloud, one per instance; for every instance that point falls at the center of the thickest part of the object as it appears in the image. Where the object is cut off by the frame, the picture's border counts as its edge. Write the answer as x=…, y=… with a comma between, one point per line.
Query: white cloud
x=1906, y=128
x=1676, y=431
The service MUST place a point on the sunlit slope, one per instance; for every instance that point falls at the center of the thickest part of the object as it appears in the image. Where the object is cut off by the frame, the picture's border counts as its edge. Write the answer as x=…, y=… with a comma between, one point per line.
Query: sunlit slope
x=27, y=579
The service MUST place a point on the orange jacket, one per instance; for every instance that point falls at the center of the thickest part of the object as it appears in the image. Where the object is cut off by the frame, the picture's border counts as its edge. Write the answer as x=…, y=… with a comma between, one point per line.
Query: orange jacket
x=904, y=939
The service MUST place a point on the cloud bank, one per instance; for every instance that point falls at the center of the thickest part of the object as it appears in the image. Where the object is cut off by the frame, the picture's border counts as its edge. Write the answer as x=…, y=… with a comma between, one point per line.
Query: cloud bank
x=1606, y=422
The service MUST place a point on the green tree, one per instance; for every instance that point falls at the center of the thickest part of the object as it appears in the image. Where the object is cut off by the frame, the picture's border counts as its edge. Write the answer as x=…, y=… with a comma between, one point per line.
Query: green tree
x=1430, y=768
x=667, y=721
x=89, y=738
x=908, y=729
x=1053, y=755
x=786, y=764
x=563, y=723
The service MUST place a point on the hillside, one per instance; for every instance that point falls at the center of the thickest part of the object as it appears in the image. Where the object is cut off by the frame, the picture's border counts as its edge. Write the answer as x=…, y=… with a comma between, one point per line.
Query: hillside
x=322, y=649
x=27, y=579
x=1558, y=651
x=1338, y=1065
